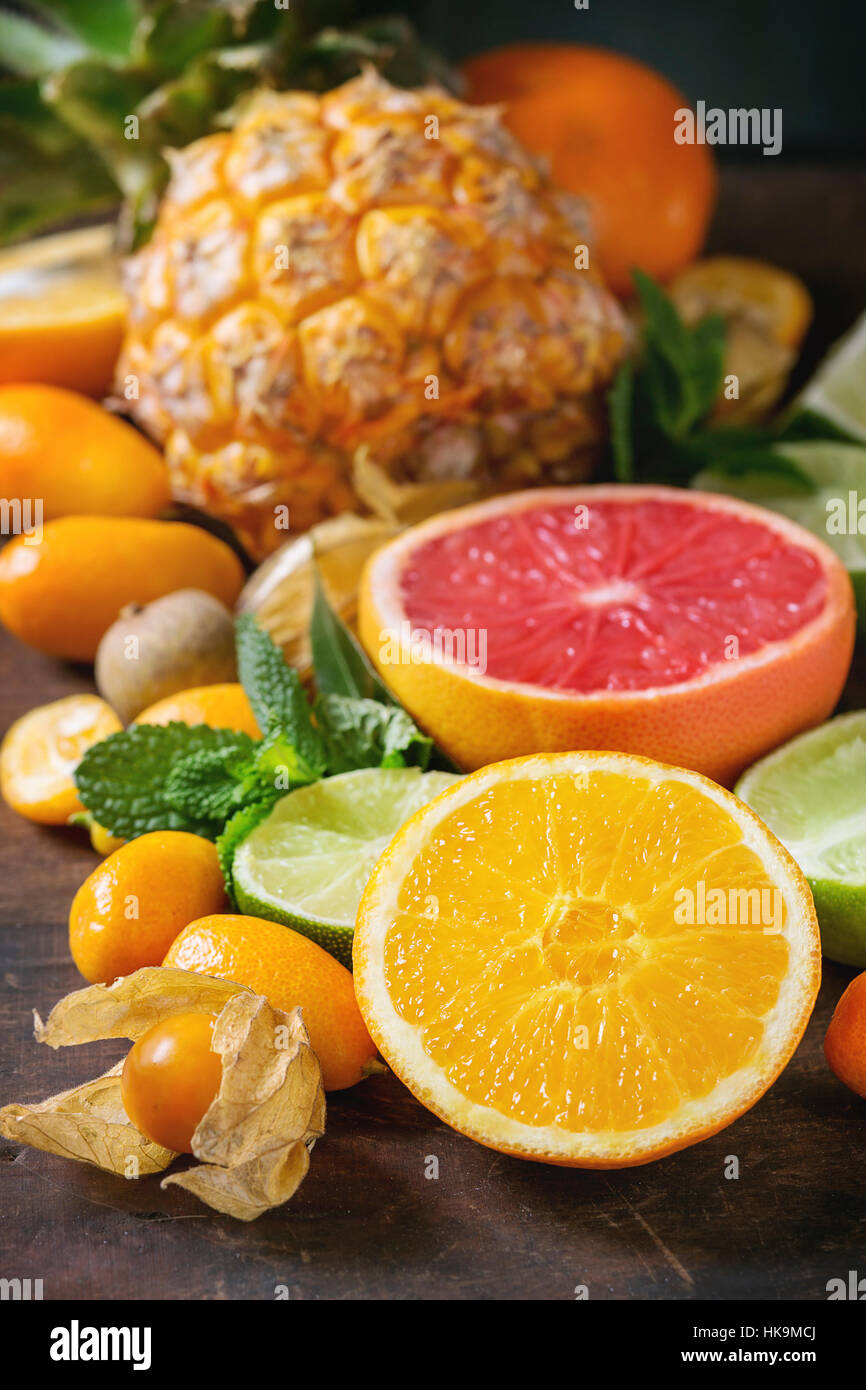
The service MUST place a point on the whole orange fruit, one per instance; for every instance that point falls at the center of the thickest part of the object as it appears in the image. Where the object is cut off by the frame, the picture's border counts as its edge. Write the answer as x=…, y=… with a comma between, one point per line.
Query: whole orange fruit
x=222, y=706
x=606, y=124
x=170, y=1077
x=290, y=970
x=62, y=594
x=845, y=1043
x=75, y=456
x=129, y=910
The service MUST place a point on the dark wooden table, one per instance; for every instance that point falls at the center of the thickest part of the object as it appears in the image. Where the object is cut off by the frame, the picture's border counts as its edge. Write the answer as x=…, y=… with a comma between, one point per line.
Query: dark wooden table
x=367, y=1222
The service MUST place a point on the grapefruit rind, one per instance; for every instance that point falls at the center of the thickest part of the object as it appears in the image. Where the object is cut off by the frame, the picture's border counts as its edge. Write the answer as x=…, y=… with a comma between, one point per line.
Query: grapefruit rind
x=399, y=1042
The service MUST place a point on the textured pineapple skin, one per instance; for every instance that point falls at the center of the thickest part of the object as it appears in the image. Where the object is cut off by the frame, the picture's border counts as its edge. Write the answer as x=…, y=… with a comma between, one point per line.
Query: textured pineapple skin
x=374, y=267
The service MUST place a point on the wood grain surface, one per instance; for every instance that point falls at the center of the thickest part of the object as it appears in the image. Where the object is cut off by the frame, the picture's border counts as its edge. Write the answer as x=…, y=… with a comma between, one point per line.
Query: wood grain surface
x=368, y=1223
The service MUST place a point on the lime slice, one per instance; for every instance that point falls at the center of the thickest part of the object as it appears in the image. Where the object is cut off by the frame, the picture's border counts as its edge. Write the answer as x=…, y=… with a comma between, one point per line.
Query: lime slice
x=835, y=511
x=812, y=794
x=837, y=391
x=307, y=864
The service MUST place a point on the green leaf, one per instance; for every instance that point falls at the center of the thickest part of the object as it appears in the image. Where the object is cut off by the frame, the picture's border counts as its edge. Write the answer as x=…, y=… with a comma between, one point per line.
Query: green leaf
x=803, y=425
x=123, y=779
x=341, y=666
x=47, y=173
x=292, y=758
x=366, y=733
x=620, y=403
x=708, y=362
x=738, y=458
x=95, y=101
x=103, y=26
x=682, y=367
x=292, y=746
x=270, y=683
x=31, y=50
x=235, y=832
x=659, y=404
x=178, y=34
x=664, y=330
x=208, y=784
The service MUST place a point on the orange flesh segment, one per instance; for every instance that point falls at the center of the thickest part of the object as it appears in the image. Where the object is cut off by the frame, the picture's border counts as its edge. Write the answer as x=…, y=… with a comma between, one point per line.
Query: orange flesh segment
x=558, y=986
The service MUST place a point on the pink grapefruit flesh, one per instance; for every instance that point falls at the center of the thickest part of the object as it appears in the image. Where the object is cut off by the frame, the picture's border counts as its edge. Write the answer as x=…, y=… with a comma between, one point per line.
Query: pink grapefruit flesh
x=687, y=627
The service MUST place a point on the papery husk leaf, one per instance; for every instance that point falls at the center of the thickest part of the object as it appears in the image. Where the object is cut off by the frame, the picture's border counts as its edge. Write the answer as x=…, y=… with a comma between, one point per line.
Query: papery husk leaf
x=132, y=1005
x=255, y=1138
x=87, y=1123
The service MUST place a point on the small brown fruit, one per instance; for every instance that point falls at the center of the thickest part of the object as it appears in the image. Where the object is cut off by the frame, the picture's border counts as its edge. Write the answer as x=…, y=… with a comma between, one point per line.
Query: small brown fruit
x=184, y=639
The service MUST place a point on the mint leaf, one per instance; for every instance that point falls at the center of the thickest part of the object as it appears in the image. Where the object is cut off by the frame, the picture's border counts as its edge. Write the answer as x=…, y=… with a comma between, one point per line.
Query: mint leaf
x=738, y=452
x=264, y=674
x=209, y=783
x=274, y=689
x=365, y=733
x=708, y=362
x=287, y=760
x=124, y=779
x=341, y=666
x=343, y=669
x=659, y=404
x=234, y=833
x=664, y=330
x=620, y=402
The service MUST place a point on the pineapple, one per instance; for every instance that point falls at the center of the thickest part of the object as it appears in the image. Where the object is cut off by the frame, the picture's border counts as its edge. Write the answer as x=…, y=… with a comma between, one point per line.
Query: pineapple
x=374, y=268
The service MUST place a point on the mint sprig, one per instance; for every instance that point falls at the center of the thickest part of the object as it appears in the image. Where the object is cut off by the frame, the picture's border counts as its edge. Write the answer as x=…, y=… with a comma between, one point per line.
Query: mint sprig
x=659, y=405
x=365, y=733
x=131, y=781
x=213, y=781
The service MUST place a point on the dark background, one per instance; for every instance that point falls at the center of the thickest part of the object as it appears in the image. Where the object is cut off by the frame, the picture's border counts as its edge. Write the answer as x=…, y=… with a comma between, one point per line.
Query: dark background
x=806, y=56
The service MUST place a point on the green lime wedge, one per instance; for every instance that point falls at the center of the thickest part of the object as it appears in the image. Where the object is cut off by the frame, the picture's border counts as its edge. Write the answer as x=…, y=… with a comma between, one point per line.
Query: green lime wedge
x=835, y=511
x=837, y=391
x=307, y=864
x=812, y=794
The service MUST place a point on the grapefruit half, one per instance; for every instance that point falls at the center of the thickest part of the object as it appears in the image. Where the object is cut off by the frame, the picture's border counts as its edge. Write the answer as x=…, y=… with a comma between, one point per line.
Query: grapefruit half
x=688, y=627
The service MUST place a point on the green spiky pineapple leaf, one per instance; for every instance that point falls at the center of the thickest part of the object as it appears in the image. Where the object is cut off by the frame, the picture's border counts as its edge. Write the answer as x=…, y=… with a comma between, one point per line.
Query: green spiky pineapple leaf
x=76, y=72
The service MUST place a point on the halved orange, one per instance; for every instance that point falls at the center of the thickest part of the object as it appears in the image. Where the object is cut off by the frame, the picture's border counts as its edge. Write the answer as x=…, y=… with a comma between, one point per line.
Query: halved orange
x=62, y=310
x=41, y=751
x=588, y=959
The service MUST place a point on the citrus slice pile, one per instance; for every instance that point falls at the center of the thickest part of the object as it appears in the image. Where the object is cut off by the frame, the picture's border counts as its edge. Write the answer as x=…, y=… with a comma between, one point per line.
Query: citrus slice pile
x=587, y=958
x=678, y=625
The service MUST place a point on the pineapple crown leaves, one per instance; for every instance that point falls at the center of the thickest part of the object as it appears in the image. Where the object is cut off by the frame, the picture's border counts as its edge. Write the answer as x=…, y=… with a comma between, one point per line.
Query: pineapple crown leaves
x=76, y=72
x=212, y=781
